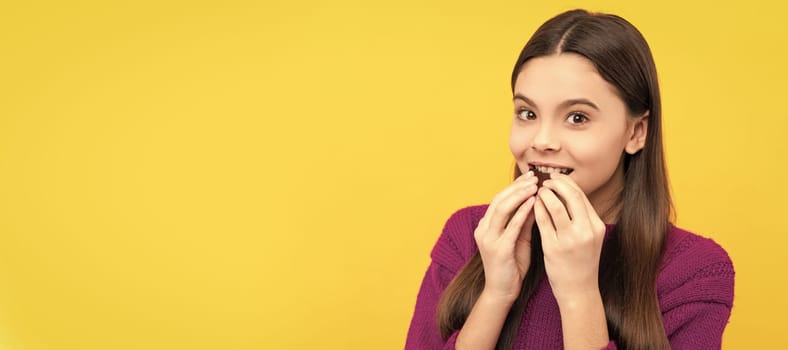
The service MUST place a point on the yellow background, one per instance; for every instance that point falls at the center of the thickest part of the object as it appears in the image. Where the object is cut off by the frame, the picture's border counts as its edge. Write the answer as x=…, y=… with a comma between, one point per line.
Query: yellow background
x=273, y=175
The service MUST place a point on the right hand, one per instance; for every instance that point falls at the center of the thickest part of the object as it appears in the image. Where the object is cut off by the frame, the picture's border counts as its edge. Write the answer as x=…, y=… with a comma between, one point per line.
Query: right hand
x=504, y=243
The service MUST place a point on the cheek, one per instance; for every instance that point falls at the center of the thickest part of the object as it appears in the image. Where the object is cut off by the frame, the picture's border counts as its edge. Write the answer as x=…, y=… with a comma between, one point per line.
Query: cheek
x=519, y=141
x=598, y=161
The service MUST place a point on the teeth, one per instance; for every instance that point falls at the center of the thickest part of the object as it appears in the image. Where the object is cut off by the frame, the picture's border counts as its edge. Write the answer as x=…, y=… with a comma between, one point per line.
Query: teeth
x=549, y=170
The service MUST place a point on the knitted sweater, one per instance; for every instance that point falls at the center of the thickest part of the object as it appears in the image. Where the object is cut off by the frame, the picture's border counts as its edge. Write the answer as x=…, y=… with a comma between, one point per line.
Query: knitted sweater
x=694, y=288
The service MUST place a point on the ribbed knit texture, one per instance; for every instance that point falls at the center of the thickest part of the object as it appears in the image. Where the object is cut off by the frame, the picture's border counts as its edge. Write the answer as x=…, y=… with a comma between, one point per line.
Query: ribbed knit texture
x=694, y=287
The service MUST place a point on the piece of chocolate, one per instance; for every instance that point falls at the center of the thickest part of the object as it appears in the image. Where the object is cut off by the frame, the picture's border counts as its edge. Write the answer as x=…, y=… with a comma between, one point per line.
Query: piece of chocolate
x=540, y=177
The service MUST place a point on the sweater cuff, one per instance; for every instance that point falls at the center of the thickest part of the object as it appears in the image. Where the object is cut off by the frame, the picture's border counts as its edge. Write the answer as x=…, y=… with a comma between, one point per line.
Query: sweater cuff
x=610, y=346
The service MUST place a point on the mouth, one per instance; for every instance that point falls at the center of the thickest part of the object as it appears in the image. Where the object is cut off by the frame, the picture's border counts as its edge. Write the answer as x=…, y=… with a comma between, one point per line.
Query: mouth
x=548, y=169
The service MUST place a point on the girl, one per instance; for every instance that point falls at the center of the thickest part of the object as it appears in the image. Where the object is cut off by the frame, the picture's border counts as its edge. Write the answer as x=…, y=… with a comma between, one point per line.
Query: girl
x=587, y=258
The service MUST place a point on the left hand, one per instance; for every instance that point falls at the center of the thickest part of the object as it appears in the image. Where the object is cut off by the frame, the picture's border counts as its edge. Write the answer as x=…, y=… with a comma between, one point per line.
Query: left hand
x=572, y=236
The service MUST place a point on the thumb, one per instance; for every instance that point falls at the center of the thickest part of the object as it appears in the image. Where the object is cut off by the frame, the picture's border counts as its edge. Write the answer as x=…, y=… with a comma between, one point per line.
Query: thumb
x=523, y=245
x=527, y=229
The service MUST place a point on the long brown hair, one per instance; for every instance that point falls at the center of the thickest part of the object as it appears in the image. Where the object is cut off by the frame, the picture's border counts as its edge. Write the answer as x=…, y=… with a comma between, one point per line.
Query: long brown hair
x=629, y=262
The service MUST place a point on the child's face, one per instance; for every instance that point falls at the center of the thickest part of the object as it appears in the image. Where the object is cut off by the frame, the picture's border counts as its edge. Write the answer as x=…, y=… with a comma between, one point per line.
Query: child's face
x=567, y=116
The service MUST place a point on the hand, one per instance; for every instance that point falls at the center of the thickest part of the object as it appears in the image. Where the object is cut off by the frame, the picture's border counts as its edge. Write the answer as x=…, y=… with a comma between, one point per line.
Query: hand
x=572, y=234
x=504, y=243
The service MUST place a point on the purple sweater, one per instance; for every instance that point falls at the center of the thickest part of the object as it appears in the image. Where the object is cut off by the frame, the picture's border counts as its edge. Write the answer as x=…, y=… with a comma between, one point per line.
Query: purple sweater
x=694, y=286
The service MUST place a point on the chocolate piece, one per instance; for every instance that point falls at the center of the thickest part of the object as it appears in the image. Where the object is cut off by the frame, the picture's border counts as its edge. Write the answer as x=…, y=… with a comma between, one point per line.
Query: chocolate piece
x=541, y=177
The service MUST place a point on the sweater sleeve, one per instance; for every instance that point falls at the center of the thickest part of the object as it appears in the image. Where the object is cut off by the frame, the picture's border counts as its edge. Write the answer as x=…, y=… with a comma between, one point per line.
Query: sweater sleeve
x=697, y=309
x=454, y=247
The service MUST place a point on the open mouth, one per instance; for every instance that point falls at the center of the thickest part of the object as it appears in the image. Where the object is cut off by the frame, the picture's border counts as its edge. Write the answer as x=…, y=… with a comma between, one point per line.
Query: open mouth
x=543, y=172
x=548, y=170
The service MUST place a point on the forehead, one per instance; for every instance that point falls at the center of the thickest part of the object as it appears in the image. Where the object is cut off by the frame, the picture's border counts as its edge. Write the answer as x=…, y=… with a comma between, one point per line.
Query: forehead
x=555, y=78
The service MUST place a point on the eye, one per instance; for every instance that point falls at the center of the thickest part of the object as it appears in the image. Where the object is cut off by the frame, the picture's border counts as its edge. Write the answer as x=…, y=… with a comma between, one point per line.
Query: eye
x=526, y=114
x=576, y=118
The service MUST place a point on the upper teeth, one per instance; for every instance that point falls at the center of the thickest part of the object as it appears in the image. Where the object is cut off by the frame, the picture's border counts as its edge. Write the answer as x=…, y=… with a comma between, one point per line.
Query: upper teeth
x=547, y=169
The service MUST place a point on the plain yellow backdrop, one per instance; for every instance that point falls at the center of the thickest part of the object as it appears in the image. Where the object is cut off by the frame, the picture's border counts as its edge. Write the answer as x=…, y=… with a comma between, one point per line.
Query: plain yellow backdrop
x=273, y=175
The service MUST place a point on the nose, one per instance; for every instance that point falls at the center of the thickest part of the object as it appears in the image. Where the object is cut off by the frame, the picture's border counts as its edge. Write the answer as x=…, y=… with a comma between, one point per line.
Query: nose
x=545, y=138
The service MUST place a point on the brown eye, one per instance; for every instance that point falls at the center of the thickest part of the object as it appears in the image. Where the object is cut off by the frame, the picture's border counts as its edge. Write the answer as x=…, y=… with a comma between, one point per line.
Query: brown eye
x=525, y=114
x=576, y=119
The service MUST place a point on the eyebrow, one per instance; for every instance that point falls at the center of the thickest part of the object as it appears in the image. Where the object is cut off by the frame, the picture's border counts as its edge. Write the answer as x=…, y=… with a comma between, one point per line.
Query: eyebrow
x=565, y=104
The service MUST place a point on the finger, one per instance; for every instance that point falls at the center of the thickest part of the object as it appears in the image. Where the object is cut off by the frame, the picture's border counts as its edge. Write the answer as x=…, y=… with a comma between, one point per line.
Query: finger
x=515, y=225
x=546, y=229
x=522, y=244
x=525, y=176
x=572, y=197
x=555, y=208
x=530, y=219
x=591, y=213
x=522, y=180
x=506, y=207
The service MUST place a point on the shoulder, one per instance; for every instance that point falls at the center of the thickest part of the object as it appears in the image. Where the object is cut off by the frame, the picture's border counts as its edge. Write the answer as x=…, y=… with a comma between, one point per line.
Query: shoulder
x=694, y=252
x=456, y=244
x=695, y=268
